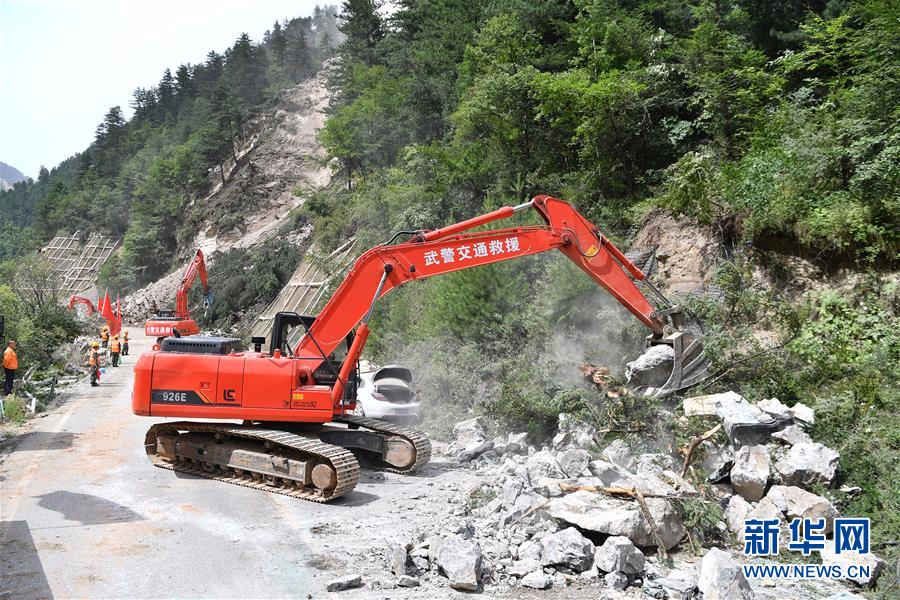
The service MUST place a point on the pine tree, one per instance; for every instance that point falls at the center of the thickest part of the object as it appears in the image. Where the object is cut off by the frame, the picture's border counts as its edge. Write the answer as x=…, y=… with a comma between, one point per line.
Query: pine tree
x=166, y=93
x=364, y=29
x=298, y=65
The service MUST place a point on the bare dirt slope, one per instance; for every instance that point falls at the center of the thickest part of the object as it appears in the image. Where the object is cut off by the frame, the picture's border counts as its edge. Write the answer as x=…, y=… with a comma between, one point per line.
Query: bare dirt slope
x=279, y=155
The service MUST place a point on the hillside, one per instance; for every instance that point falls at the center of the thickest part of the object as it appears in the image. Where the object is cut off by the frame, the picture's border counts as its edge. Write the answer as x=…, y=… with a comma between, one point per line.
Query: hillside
x=9, y=176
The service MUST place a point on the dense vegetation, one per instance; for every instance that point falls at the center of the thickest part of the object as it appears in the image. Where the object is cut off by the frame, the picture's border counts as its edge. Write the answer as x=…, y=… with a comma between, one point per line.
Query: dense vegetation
x=774, y=123
x=141, y=178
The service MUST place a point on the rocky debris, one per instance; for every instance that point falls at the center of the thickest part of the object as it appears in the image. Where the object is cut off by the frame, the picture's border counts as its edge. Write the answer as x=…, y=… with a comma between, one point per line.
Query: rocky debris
x=807, y=464
x=619, y=454
x=849, y=558
x=616, y=580
x=792, y=435
x=573, y=433
x=677, y=585
x=467, y=432
x=750, y=473
x=515, y=443
x=460, y=561
x=573, y=462
x=745, y=423
x=407, y=581
x=567, y=548
x=802, y=412
x=396, y=558
x=473, y=450
x=537, y=580
x=652, y=368
x=344, y=583
x=607, y=472
x=774, y=407
x=611, y=516
x=618, y=554
x=798, y=503
x=721, y=577
x=736, y=512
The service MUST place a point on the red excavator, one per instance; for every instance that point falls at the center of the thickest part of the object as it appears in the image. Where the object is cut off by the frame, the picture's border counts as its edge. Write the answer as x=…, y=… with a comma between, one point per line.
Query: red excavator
x=179, y=321
x=82, y=300
x=296, y=432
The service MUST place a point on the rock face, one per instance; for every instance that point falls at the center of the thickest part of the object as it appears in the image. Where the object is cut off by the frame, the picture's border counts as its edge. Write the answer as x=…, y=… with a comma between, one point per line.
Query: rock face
x=798, y=503
x=537, y=580
x=618, y=554
x=474, y=449
x=652, y=368
x=567, y=548
x=750, y=472
x=611, y=516
x=847, y=559
x=460, y=561
x=807, y=464
x=721, y=577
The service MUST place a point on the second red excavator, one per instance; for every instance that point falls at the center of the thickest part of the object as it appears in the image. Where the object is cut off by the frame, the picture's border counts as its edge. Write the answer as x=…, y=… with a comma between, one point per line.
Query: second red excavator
x=179, y=321
x=295, y=432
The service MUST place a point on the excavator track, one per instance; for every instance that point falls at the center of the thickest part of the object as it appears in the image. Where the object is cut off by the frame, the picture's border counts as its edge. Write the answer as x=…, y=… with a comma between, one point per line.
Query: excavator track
x=341, y=465
x=419, y=441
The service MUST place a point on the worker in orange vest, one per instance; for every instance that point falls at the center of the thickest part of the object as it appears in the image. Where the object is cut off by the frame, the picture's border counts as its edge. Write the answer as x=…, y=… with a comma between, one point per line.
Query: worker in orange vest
x=125, y=344
x=10, y=366
x=93, y=361
x=104, y=336
x=114, y=349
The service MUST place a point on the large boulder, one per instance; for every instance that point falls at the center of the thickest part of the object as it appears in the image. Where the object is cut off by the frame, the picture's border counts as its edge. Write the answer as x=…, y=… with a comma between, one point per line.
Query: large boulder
x=750, y=472
x=473, y=450
x=618, y=554
x=396, y=558
x=721, y=577
x=460, y=561
x=567, y=548
x=607, y=472
x=745, y=423
x=677, y=585
x=652, y=368
x=611, y=516
x=736, y=512
x=469, y=431
x=797, y=503
x=807, y=464
x=537, y=580
x=573, y=462
x=619, y=454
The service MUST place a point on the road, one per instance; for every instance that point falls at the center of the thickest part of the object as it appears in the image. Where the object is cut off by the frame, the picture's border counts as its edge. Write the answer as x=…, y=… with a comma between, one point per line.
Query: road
x=84, y=514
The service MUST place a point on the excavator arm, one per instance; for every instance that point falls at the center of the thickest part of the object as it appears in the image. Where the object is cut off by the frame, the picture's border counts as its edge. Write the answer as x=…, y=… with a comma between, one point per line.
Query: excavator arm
x=450, y=249
x=82, y=300
x=197, y=268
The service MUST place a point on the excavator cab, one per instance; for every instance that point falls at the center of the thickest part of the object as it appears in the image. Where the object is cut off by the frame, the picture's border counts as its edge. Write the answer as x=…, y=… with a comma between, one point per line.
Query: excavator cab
x=284, y=325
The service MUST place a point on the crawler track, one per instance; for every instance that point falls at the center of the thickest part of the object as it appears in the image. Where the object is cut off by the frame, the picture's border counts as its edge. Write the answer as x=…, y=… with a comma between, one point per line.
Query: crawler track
x=345, y=465
x=415, y=437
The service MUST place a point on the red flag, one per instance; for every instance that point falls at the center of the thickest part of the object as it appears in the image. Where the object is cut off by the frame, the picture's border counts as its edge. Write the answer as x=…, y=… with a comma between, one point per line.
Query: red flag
x=109, y=315
x=99, y=303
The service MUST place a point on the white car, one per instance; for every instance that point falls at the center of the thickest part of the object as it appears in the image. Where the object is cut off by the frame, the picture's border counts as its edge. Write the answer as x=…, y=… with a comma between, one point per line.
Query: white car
x=386, y=393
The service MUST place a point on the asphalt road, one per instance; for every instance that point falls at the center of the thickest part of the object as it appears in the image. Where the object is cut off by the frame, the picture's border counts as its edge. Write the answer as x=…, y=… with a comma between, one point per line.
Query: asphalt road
x=84, y=514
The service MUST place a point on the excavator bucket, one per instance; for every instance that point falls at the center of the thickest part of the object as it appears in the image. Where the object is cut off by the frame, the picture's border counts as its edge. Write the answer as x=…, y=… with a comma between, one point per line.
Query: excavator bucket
x=689, y=367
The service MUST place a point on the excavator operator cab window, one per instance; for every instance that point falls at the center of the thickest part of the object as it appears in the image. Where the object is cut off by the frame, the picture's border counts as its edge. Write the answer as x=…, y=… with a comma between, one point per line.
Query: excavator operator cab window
x=287, y=330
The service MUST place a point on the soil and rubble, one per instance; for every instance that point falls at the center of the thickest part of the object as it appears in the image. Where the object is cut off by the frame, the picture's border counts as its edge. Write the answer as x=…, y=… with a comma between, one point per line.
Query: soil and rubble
x=576, y=517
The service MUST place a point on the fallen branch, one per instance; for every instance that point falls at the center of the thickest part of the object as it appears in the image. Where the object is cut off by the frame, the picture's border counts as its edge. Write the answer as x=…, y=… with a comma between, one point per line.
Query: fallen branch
x=633, y=494
x=689, y=451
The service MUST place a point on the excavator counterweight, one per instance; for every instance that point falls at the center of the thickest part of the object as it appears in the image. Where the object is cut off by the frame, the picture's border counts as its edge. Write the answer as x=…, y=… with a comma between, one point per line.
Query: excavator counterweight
x=297, y=433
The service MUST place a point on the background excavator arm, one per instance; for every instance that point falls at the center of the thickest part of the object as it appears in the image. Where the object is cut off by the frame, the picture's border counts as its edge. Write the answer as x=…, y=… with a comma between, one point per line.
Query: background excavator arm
x=82, y=300
x=448, y=249
x=195, y=269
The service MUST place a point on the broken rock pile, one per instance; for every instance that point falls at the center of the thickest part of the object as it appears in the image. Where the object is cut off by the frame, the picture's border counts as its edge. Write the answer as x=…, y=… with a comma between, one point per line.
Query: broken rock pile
x=550, y=516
